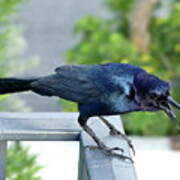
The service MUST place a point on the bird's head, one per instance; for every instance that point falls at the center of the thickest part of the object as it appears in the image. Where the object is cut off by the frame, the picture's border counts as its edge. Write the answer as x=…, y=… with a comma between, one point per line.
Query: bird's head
x=153, y=94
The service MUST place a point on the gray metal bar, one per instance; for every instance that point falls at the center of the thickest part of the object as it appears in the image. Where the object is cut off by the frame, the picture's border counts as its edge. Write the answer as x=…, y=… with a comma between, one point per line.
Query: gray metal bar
x=99, y=166
x=3, y=147
x=39, y=126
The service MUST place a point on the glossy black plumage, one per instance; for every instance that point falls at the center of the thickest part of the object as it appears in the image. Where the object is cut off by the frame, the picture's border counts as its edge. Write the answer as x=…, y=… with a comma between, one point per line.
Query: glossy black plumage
x=93, y=84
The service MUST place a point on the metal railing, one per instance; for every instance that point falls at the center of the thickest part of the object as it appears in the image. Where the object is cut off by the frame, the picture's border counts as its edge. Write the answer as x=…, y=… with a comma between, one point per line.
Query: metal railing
x=93, y=164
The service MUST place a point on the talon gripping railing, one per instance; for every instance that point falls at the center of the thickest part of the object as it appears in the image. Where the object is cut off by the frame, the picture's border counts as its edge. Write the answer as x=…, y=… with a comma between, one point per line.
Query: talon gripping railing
x=93, y=164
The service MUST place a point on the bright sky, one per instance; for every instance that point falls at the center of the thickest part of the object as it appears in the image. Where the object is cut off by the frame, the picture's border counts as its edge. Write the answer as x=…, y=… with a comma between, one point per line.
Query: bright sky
x=60, y=159
x=153, y=160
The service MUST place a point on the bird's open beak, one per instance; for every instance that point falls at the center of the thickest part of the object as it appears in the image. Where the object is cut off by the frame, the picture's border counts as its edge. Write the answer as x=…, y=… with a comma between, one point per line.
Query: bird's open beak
x=167, y=109
x=173, y=102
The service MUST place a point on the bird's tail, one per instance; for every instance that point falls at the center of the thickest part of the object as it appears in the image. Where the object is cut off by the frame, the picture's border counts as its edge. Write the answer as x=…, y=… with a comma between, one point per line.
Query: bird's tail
x=13, y=85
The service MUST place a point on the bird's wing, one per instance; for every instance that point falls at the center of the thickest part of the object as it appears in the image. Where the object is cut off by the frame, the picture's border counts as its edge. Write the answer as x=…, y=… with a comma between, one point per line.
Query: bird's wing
x=71, y=83
x=85, y=83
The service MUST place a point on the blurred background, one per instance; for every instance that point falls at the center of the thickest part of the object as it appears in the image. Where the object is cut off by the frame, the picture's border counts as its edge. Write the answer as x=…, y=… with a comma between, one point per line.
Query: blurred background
x=36, y=36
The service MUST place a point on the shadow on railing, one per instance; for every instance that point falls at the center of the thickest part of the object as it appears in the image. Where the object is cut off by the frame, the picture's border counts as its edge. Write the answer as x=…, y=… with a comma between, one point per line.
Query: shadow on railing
x=93, y=164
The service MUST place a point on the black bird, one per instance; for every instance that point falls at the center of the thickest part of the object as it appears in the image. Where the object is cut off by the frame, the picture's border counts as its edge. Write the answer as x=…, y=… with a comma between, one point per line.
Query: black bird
x=106, y=89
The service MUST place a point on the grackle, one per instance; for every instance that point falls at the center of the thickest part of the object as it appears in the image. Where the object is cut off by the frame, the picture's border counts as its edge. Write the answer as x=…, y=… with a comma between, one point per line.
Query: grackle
x=106, y=89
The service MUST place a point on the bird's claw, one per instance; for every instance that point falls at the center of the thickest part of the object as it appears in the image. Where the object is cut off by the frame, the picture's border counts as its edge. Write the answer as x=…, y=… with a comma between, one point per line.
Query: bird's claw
x=120, y=156
x=114, y=132
x=110, y=151
x=132, y=148
x=105, y=148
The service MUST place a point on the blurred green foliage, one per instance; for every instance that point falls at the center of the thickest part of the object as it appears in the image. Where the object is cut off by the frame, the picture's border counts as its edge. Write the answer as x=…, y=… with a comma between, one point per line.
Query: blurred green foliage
x=21, y=164
x=12, y=47
x=109, y=40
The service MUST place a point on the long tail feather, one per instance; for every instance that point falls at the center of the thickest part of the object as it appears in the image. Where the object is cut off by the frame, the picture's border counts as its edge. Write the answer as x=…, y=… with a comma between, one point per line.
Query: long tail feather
x=13, y=85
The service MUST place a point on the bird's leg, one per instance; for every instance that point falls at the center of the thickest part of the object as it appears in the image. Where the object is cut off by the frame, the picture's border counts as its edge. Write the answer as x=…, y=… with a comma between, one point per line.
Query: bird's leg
x=101, y=145
x=114, y=131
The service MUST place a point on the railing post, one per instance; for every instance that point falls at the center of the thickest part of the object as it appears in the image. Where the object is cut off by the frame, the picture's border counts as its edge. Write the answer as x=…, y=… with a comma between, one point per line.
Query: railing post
x=82, y=174
x=95, y=165
x=3, y=148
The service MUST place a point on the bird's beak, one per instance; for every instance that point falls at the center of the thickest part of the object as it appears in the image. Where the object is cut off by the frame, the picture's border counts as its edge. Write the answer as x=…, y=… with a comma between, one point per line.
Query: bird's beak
x=167, y=109
x=173, y=102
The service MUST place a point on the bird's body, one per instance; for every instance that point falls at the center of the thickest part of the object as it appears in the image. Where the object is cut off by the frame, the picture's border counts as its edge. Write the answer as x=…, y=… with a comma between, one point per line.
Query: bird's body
x=99, y=88
x=107, y=89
